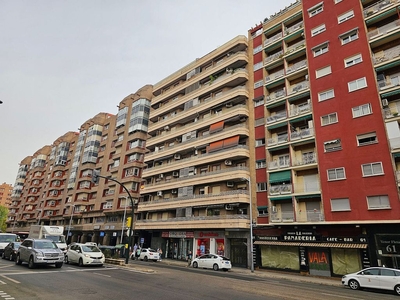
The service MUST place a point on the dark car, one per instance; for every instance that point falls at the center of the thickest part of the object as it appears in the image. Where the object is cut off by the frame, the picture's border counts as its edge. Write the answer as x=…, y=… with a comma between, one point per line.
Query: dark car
x=10, y=251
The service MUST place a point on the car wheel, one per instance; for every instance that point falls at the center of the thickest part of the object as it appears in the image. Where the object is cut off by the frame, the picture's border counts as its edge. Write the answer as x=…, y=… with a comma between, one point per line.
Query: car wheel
x=397, y=289
x=59, y=265
x=18, y=260
x=215, y=267
x=11, y=258
x=146, y=258
x=133, y=257
x=195, y=265
x=31, y=264
x=354, y=285
x=3, y=256
x=66, y=259
x=80, y=262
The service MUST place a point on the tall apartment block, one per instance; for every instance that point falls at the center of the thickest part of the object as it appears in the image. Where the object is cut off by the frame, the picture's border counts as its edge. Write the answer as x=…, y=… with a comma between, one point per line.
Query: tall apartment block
x=195, y=192
x=326, y=92
x=5, y=194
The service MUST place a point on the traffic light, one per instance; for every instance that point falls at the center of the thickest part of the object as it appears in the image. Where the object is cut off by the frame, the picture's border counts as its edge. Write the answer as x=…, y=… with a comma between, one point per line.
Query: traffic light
x=128, y=222
x=95, y=176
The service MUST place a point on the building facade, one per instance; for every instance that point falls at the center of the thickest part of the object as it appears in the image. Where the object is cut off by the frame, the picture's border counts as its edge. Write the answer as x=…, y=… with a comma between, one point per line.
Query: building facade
x=5, y=194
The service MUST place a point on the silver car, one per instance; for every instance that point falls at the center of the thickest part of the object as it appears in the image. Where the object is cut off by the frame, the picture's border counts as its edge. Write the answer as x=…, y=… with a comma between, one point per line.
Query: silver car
x=374, y=278
x=39, y=252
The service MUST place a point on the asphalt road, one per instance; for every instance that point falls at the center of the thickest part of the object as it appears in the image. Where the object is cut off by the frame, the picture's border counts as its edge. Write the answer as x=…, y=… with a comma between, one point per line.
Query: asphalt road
x=163, y=282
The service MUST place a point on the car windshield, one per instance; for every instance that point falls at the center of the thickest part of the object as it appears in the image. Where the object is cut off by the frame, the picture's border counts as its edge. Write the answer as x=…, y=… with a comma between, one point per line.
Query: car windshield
x=45, y=245
x=56, y=238
x=7, y=238
x=16, y=245
x=90, y=248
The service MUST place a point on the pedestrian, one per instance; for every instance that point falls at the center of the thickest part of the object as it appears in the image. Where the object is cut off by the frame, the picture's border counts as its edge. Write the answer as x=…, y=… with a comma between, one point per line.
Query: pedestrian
x=189, y=258
x=159, y=250
x=138, y=252
x=134, y=251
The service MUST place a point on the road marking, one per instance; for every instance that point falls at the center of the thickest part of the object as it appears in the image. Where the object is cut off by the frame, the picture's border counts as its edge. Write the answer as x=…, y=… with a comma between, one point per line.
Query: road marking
x=342, y=296
x=2, y=282
x=8, y=278
x=102, y=275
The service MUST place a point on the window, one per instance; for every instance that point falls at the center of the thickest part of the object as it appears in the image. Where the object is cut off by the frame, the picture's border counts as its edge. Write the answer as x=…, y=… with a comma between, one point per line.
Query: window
x=351, y=61
x=323, y=72
x=336, y=174
x=376, y=202
x=349, y=36
x=258, y=66
x=318, y=30
x=367, y=139
x=346, y=16
x=372, y=169
x=329, y=119
x=361, y=110
x=261, y=164
x=261, y=186
x=258, y=84
x=341, y=204
x=326, y=95
x=333, y=145
x=263, y=211
x=357, y=84
x=257, y=49
x=321, y=49
x=259, y=102
x=316, y=9
x=260, y=142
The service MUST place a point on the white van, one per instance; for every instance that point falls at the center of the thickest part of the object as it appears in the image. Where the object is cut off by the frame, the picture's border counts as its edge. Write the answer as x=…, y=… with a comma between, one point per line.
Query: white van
x=5, y=239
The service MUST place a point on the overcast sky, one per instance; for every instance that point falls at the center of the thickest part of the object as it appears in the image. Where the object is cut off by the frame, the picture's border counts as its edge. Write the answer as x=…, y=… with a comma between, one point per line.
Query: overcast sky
x=64, y=61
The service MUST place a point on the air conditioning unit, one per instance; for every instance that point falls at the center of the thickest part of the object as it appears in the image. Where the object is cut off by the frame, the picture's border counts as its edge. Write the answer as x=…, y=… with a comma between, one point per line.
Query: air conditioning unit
x=175, y=174
x=177, y=156
x=385, y=102
x=230, y=184
x=228, y=207
x=159, y=193
x=166, y=128
x=229, y=70
x=174, y=191
x=228, y=162
x=274, y=209
x=229, y=104
x=161, y=176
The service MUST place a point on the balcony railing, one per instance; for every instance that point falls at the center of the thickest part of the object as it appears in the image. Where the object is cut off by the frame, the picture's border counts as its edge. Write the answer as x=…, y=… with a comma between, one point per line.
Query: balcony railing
x=276, y=95
x=193, y=218
x=301, y=134
x=293, y=28
x=295, y=47
x=299, y=87
x=300, y=109
x=282, y=217
x=277, y=117
x=315, y=216
x=386, y=55
x=297, y=66
x=280, y=189
x=389, y=82
x=273, y=38
x=275, y=75
x=277, y=164
x=384, y=29
x=310, y=158
x=283, y=138
x=378, y=6
x=273, y=57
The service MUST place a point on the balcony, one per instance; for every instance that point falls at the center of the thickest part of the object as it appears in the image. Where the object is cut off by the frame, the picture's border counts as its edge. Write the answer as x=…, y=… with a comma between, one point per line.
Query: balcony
x=300, y=109
x=293, y=28
x=390, y=81
x=386, y=29
x=297, y=66
x=281, y=217
x=283, y=138
x=273, y=57
x=277, y=117
x=280, y=189
x=295, y=47
x=392, y=111
x=386, y=55
x=310, y=158
x=273, y=39
x=299, y=87
x=274, y=76
x=379, y=6
x=276, y=95
x=301, y=134
x=279, y=164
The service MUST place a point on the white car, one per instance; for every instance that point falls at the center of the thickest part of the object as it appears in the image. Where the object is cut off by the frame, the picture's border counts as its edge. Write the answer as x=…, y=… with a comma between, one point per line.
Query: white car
x=374, y=278
x=84, y=254
x=147, y=254
x=212, y=261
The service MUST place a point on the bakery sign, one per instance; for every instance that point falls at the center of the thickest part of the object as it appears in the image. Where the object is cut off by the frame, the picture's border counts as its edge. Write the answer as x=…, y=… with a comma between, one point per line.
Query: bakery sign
x=301, y=236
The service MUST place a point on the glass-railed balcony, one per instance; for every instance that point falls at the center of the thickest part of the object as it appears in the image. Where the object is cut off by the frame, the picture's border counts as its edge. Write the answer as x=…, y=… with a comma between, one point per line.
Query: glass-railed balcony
x=279, y=164
x=379, y=6
x=282, y=217
x=301, y=134
x=299, y=87
x=274, y=76
x=280, y=189
x=295, y=47
x=293, y=28
x=300, y=109
x=275, y=56
x=297, y=66
x=282, y=138
x=273, y=38
x=309, y=158
x=386, y=29
x=393, y=110
x=276, y=95
x=277, y=117
x=389, y=81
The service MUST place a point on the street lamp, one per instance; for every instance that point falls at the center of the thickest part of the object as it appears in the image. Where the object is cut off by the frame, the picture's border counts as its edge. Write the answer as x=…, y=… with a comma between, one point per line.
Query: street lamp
x=70, y=219
x=251, y=226
x=123, y=220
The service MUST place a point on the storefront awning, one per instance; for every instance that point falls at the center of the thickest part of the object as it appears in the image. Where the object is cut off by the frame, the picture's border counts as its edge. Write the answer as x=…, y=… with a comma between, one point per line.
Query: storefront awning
x=280, y=198
x=279, y=176
x=276, y=243
x=324, y=245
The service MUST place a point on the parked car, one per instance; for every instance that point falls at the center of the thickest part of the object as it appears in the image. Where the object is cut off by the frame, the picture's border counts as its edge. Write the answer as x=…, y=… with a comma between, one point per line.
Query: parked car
x=84, y=254
x=374, y=278
x=147, y=254
x=39, y=252
x=10, y=251
x=212, y=261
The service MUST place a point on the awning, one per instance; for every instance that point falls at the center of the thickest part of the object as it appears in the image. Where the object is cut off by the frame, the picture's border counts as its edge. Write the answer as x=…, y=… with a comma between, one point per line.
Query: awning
x=262, y=207
x=272, y=148
x=308, y=196
x=231, y=142
x=280, y=198
x=388, y=94
x=216, y=127
x=324, y=245
x=279, y=176
x=299, y=95
x=304, y=118
x=275, y=104
x=282, y=124
x=387, y=66
x=396, y=155
x=380, y=16
x=258, y=98
x=276, y=243
x=215, y=146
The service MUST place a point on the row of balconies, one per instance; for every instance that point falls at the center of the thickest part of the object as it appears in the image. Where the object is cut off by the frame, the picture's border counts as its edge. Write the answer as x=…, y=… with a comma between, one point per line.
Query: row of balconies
x=289, y=217
x=294, y=136
x=286, y=31
x=277, y=164
x=295, y=110
x=378, y=7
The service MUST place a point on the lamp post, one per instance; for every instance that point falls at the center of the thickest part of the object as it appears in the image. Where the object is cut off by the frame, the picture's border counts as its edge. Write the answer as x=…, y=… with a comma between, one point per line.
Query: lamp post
x=123, y=221
x=70, y=219
x=251, y=226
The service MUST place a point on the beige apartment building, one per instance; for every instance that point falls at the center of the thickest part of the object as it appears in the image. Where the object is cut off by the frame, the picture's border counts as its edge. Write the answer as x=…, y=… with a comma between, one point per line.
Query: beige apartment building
x=195, y=192
x=5, y=194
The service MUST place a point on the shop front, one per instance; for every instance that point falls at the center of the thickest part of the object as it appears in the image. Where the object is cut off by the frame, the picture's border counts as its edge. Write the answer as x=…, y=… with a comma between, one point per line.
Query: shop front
x=177, y=244
x=209, y=242
x=388, y=250
x=312, y=253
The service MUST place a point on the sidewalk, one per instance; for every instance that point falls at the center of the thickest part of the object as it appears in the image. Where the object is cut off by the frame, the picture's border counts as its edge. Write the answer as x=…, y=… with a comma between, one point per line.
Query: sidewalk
x=280, y=275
